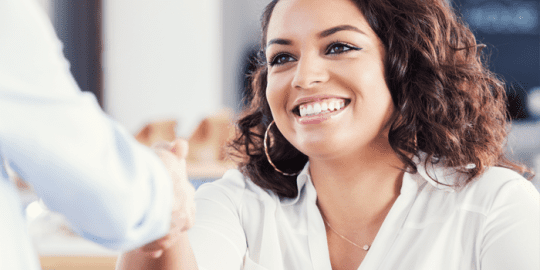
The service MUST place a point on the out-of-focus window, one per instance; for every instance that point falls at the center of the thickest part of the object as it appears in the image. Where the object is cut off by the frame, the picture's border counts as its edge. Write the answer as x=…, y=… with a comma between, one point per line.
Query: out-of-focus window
x=511, y=30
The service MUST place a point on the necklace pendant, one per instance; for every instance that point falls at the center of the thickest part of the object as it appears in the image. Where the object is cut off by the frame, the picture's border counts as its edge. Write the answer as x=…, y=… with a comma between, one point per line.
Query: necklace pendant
x=366, y=247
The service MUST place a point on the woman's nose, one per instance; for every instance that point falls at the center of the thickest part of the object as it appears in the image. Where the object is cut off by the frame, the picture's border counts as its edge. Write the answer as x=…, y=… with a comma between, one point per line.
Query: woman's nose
x=310, y=71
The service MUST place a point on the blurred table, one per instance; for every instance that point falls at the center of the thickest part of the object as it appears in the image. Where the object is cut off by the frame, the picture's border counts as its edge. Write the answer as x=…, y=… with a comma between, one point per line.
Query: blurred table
x=79, y=263
x=61, y=249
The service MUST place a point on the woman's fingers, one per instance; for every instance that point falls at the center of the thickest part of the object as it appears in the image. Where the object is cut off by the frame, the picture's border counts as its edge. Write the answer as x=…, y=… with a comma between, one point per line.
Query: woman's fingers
x=156, y=254
x=180, y=148
x=183, y=209
x=157, y=247
x=161, y=145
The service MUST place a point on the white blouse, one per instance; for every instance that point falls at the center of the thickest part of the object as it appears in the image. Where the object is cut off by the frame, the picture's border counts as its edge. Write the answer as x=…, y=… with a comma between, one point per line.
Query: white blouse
x=491, y=224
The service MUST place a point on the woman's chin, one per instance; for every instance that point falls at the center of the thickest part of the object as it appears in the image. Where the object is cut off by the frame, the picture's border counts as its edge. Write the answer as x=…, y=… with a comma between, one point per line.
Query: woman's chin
x=323, y=150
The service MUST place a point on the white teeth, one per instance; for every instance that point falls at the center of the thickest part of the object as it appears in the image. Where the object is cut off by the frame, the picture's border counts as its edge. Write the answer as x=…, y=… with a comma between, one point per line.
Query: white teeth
x=320, y=107
x=324, y=106
x=331, y=106
x=317, y=108
x=309, y=109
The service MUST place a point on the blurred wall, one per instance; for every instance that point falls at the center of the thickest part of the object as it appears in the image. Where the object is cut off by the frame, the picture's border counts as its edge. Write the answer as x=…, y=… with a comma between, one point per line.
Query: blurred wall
x=241, y=35
x=162, y=60
x=47, y=6
x=78, y=25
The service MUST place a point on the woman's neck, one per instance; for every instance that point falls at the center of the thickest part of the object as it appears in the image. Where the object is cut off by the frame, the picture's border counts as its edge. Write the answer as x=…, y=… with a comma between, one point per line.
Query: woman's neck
x=357, y=189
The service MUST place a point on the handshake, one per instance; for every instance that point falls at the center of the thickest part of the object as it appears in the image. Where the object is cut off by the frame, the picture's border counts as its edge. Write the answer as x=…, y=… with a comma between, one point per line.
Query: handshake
x=173, y=155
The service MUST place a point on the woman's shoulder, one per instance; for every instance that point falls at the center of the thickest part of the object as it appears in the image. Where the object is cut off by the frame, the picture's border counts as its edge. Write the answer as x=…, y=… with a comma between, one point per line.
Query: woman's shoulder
x=497, y=178
x=497, y=189
x=500, y=185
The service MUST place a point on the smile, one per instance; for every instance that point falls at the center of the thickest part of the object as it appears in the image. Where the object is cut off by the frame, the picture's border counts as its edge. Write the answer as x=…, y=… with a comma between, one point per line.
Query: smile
x=321, y=107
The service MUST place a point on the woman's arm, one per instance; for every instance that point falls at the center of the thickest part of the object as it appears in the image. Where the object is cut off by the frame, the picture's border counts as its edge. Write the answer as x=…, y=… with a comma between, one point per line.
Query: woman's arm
x=179, y=256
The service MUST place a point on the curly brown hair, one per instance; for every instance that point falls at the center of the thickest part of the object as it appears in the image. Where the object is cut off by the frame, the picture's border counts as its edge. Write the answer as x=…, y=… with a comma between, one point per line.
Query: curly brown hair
x=448, y=104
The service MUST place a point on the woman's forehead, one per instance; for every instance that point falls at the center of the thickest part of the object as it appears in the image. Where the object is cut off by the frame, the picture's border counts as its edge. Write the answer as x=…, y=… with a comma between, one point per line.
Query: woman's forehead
x=291, y=17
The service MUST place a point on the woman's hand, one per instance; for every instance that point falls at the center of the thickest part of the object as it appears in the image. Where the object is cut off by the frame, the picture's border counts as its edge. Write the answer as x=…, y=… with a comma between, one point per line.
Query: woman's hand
x=173, y=155
x=172, y=251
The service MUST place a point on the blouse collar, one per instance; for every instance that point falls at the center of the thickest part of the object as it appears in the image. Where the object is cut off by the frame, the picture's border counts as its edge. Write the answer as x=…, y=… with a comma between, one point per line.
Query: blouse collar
x=432, y=173
x=301, y=180
x=440, y=176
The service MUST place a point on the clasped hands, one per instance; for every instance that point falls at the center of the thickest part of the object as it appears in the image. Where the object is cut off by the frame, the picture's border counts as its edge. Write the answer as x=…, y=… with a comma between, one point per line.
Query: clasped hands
x=173, y=155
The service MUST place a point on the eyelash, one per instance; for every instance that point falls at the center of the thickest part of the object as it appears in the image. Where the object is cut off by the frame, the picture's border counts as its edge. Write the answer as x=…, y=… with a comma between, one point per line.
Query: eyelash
x=342, y=44
x=348, y=47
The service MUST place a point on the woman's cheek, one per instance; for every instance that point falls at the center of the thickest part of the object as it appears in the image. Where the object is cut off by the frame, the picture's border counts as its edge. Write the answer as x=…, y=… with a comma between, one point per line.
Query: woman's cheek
x=275, y=96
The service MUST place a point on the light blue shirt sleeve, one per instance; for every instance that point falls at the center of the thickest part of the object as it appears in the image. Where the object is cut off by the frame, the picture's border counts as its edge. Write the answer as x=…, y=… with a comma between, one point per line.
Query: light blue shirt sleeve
x=115, y=191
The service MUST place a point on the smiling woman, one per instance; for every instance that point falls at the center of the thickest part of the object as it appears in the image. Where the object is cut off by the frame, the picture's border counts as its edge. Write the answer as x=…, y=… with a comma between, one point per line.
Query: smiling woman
x=326, y=59
x=374, y=140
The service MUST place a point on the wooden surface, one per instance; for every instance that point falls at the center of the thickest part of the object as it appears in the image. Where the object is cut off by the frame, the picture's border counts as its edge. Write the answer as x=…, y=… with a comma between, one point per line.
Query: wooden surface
x=78, y=262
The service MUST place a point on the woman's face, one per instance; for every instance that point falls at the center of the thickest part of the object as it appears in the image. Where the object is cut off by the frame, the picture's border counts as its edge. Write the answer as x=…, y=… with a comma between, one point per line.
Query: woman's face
x=326, y=87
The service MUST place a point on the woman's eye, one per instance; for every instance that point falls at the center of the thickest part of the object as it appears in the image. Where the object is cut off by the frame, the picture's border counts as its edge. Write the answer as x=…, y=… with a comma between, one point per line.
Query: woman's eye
x=281, y=59
x=338, y=48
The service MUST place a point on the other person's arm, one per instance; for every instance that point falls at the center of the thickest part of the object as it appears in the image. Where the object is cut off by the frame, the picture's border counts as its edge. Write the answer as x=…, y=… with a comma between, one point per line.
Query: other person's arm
x=114, y=191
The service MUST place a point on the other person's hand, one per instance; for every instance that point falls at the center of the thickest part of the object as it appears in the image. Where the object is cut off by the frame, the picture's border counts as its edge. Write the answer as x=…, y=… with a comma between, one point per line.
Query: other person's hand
x=174, y=156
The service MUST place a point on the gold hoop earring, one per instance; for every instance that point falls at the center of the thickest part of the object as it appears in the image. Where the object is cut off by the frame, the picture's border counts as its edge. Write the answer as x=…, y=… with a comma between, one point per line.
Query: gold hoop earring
x=268, y=156
x=416, y=142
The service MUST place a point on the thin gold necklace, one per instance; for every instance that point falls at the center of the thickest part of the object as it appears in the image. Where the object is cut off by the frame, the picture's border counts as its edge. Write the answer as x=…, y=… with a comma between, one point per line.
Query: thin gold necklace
x=365, y=247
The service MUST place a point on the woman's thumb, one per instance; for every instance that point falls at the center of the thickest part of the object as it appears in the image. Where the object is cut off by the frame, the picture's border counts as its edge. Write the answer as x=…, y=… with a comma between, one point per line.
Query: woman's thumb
x=180, y=148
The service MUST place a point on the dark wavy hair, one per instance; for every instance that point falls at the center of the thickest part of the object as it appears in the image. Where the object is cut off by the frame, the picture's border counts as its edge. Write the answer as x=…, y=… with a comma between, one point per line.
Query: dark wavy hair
x=448, y=104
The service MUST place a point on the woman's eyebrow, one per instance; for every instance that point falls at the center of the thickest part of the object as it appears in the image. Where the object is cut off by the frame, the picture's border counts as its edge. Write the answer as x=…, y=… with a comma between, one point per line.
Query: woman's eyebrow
x=336, y=29
x=279, y=41
x=323, y=34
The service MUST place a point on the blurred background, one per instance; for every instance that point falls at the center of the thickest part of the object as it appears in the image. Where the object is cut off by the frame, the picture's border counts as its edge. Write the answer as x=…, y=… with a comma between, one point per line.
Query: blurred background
x=181, y=65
